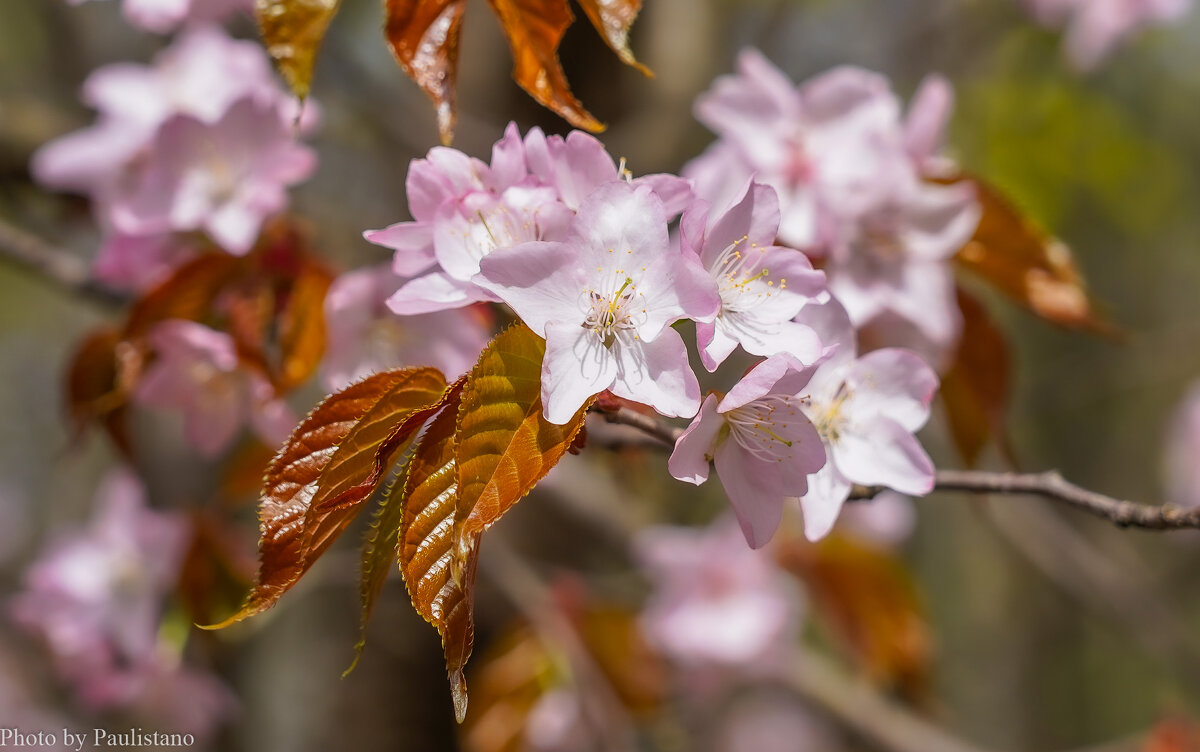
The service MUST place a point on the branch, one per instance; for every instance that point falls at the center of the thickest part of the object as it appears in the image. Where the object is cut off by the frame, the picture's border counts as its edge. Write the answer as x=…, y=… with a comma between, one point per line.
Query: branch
x=1048, y=485
x=53, y=264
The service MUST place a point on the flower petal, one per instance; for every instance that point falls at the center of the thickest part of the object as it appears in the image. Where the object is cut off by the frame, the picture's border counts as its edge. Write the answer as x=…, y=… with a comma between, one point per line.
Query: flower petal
x=828, y=490
x=881, y=452
x=754, y=490
x=694, y=448
x=576, y=366
x=657, y=374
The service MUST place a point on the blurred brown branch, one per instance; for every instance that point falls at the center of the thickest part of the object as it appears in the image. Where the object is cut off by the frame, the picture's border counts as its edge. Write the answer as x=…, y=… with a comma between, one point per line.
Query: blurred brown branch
x=1048, y=485
x=54, y=264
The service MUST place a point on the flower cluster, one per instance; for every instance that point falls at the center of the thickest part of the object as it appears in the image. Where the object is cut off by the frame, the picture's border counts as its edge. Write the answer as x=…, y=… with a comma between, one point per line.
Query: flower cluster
x=95, y=598
x=161, y=16
x=850, y=173
x=202, y=140
x=582, y=252
x=1096, y=27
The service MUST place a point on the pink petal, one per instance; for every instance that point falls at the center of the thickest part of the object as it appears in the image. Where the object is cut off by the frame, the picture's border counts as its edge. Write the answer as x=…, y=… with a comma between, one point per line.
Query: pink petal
x=540, y=280
x=413, y=243
x=754, y=489
x=435, y=291
x=892, y=382
x=689, y=460
x=828, y=490
x=657, y=374
x=927, y=117
x=881, y=452
x=576, y=367
x=761, y=381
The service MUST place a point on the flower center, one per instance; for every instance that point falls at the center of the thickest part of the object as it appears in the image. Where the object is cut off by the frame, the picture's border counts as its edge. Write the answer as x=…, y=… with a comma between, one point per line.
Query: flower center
x=830, y=419
x=741, y=279
x=760, y=426
x=609, y=315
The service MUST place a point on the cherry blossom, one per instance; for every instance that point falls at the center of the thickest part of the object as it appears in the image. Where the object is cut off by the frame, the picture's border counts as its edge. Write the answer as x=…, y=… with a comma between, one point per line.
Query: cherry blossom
x=760, y=440
x=95, y=597
x=464, y=209
x=762, y=286
x=866, y=410
x=833, y=142
x=201, y=74
x=225, y=177
x=715, y=604
x=197, y=372
x=364, y=337
x=161, y=16
x=1096, y=27
x=604, y=299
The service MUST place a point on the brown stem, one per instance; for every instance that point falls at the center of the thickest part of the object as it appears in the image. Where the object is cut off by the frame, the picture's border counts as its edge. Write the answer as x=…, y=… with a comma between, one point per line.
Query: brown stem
x=54, y=264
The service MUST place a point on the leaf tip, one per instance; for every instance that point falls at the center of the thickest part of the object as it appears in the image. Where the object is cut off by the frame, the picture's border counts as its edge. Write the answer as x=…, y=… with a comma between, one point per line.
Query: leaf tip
x=458, y=691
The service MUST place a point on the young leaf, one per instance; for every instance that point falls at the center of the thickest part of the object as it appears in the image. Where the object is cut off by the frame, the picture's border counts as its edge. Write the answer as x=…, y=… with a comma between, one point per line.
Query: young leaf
x=292, y=31
x=612, y=18
x=97, y=387
x=331, y=452
x=423, y=37
x=481, y=454
x=976, y=388
x=534, y=29
x=504, y=445
x=1026, y=264
x=428, y=554
x=302, y=326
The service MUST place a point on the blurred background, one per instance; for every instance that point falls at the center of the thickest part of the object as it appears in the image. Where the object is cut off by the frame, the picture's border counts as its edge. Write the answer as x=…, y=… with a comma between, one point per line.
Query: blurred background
x=1047, y=629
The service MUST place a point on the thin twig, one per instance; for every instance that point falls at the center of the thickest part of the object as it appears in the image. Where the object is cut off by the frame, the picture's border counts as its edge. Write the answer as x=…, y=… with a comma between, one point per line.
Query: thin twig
x=1048, y=485
x=54, y=264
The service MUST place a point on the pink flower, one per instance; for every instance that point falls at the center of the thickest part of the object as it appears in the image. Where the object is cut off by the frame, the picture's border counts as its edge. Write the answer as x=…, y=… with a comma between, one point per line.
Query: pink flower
x=716, y=604
x=197, y=372
x=895, y=258
x=138, y=262
x=225, y=178
x=866, y=411
x=762, y=286
x=604, y=299
x=201, y=74
x=161, y=16
x=833, y=142
x=1096, y=27
x=465, y=209
x=1183, y=452
x=364, y=337
x=96, y=598
x=760, y=440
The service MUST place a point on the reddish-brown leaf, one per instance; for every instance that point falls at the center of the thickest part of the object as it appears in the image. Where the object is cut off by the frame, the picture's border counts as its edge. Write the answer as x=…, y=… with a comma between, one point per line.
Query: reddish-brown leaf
x=504, y=445
x=292, y=31
x=534, y=29
x=869, y=602
x=976, y=388
x=1173, y=735
x=423, y=37
x=317, y=482
x=98, y=379
x=215, y=571
x=439, y=573
x=612, y=18
x=187, y=294
x=1028, y=265
x=302, y=326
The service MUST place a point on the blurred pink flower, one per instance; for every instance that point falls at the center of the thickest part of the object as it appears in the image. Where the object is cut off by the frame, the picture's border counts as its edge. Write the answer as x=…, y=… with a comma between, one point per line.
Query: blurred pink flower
x=762, y=443
x=161, y=16
x=201, y=74
x=365, y=337
x=1183, y=452
x=762, y=286
x=197, y=372
x=772, y=721
x=96, y=598
x=224, y=177
x=866, y=410
x=138, y=262
x=834, y=143
x=886, y=520
x=715, y=603
x=1096, y=27
x=604, y=298
x=465, y=209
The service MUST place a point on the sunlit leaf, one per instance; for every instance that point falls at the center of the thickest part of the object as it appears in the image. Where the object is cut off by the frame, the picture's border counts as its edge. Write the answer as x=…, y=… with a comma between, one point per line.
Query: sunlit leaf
x=612, y=18
x=868, y=601
x=505, y=446
x=977, y=386
x=1028, y=265
x=478, y=457
x=292, y=31
x=439, y=575
x=423, y=36
x=534, y=29
x=315, y=486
